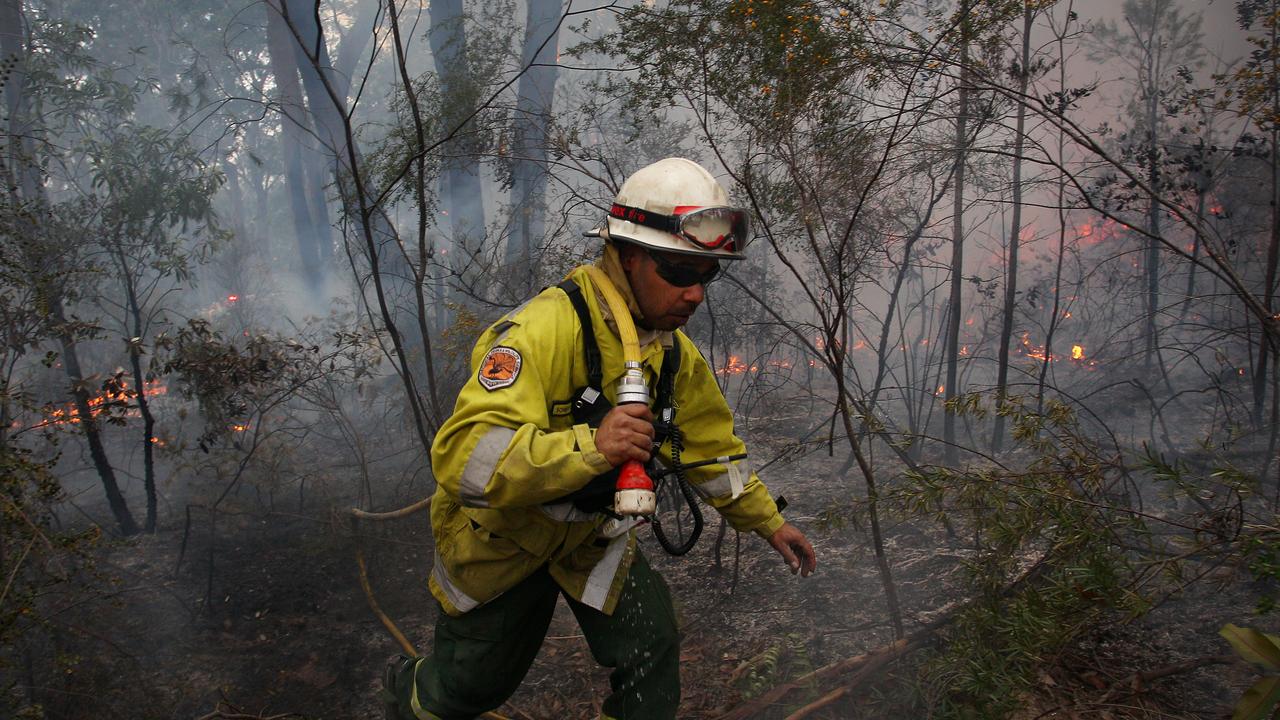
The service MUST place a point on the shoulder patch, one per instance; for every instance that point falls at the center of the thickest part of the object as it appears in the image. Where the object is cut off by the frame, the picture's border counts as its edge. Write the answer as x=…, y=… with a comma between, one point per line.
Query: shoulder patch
x=500, y=368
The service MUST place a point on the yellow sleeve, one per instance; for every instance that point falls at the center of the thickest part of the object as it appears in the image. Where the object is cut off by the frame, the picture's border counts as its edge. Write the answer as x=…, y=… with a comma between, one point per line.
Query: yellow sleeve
x=497, y=449
x=706, y=423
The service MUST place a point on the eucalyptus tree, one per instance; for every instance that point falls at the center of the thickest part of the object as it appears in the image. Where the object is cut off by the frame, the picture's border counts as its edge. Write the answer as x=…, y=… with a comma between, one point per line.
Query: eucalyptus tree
x=377, y=254
x=307, y=201
x=964, y=91
x=530, y=132
x=461, y=186
x=441, y=126
x=43, y=246
x=1156, y=42
x=151, y=197
x=1023, y=68
x=1253, y=90
x=88, y=192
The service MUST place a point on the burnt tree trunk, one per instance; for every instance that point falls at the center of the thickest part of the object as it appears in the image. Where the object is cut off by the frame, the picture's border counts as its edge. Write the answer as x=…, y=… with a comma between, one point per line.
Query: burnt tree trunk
x=1265, y=350
x=952, y=350
x=460, y=187
x=534, y=98
x=310, y=224
x=1015, y=234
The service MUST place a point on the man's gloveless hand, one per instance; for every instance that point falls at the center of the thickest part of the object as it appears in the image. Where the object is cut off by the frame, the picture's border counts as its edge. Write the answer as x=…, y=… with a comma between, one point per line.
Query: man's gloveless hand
x=625, y=433
x=795, y=549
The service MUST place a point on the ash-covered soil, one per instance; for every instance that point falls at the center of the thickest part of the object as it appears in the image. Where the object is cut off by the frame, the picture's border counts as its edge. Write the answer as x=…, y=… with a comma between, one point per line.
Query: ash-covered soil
x=265, y=617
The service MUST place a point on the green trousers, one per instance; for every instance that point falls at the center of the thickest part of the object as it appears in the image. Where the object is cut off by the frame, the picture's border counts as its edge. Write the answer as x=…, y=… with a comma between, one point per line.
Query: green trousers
x=481, y=657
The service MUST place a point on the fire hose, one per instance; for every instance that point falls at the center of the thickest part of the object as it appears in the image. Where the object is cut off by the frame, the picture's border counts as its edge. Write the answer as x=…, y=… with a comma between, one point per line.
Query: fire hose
x=637, y=488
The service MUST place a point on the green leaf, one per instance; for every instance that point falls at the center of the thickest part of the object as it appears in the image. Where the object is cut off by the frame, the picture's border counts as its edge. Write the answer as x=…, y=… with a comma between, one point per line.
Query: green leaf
x=1257, y=701
x=1252, y=645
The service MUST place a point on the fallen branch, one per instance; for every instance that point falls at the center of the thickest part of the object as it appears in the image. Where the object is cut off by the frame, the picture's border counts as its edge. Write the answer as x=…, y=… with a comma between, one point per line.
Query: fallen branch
x=226, y=710
x=877, y=661
x=820, y=703
x=861, y=666
x=1133, y=683
x=220, y=715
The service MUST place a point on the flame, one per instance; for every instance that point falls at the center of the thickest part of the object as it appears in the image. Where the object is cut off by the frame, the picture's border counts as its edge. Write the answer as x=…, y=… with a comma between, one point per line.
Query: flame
x=233, y=298
x=239, y=428
x=1031, y=351
x=69, y=414
x=969, y=321
x=735, y=366
x=964, y=351
x=1066, y=315
x=1093, y=234
x=941, y=389
x=1037, y=352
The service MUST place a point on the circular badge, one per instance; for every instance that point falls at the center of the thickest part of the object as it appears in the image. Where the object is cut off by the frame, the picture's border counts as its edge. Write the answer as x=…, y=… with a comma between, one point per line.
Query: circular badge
x=500, y=368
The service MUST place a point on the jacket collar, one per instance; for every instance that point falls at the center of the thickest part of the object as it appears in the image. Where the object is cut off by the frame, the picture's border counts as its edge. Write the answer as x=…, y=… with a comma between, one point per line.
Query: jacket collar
x=611, y=263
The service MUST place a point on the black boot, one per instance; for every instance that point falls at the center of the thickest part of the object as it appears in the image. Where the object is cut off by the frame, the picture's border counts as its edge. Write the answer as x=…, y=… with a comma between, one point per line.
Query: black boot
x=390, y=694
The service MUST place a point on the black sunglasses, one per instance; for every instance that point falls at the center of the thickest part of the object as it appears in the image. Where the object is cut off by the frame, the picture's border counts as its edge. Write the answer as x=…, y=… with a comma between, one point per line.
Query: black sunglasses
x=681, y=275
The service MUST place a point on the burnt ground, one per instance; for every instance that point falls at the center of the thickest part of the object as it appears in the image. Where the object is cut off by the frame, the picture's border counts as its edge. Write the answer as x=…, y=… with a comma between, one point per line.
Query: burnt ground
x=265, y=617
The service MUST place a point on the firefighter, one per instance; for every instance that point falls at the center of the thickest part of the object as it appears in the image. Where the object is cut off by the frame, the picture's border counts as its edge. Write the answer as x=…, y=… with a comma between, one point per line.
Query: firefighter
x=518, y=518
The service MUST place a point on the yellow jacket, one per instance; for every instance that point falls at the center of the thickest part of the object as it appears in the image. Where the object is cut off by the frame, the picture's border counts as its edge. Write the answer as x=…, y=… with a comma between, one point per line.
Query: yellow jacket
x=510, y=450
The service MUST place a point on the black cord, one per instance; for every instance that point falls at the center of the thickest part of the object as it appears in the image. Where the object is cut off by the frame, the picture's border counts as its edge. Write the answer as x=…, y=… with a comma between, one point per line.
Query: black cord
x=681, y=482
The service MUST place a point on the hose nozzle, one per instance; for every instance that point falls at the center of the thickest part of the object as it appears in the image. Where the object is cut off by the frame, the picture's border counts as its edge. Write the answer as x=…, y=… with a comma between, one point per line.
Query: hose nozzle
x=633, y=494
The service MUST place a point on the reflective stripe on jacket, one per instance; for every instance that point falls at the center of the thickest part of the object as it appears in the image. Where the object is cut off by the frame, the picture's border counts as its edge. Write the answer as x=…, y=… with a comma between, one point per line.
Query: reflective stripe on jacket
x=507, y=454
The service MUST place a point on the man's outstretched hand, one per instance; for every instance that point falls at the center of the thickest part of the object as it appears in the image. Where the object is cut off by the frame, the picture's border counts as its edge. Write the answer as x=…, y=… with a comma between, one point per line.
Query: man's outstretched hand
x=795, y=549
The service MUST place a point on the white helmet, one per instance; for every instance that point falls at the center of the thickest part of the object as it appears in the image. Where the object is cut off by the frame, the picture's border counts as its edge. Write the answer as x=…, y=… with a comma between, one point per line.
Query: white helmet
x=677, y=206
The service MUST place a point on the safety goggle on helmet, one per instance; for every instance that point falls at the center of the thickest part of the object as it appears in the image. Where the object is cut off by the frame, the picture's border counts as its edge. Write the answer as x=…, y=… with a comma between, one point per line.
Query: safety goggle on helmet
x=676, y=205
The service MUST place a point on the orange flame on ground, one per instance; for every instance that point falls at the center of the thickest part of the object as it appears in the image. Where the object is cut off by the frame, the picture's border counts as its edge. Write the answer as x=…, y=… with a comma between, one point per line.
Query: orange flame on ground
x=1033, y=351
x=1093, y=234
x=735, y=366
x=1037, y=352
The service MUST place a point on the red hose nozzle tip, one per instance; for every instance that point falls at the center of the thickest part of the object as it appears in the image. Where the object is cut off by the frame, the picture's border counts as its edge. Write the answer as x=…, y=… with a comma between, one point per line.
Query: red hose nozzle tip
x=633, y=477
